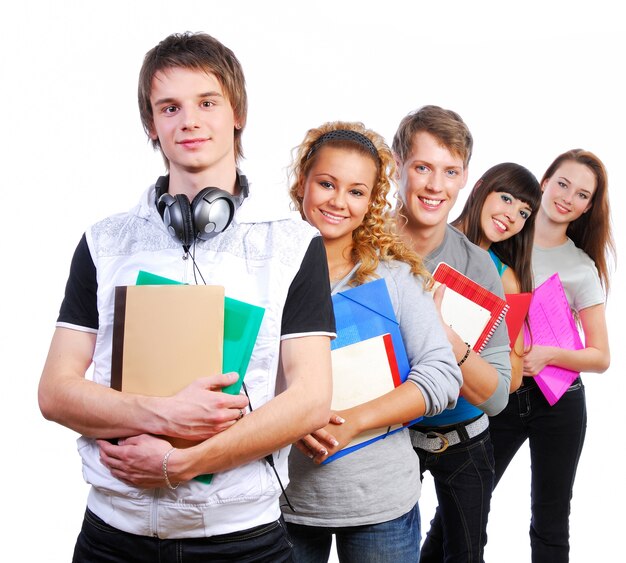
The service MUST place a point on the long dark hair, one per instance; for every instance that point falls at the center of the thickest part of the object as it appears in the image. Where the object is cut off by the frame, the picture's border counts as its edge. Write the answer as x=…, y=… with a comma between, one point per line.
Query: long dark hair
x=592, y=231
x=515, y=251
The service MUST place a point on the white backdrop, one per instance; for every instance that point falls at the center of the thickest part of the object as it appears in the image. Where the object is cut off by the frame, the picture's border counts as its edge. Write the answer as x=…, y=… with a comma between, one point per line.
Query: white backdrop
x=530, y=79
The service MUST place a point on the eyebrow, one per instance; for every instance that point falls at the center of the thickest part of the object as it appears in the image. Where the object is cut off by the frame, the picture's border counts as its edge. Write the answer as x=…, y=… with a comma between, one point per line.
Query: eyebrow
x=334, y=179
x=448, y=166
x=169, y=100
x=525, y=203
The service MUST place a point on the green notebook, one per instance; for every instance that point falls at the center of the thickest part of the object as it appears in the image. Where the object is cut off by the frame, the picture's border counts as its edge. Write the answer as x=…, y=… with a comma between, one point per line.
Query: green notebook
x=242, y=322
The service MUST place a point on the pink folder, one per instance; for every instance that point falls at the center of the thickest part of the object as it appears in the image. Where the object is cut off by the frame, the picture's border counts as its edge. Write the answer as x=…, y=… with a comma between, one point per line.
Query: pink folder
x=552, y=324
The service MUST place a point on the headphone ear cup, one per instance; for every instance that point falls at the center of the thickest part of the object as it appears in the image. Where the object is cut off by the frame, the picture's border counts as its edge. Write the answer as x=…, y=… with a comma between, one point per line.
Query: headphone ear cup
x=212, y=210
x=177, y=217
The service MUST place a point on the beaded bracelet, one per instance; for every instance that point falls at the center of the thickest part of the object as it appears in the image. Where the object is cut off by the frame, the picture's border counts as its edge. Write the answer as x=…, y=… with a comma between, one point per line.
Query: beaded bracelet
x=467, y=353
x=167, y=479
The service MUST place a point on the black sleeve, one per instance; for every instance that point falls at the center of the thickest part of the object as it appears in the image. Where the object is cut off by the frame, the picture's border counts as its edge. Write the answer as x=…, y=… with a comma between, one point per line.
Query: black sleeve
x=309, y=307
x=80, y=304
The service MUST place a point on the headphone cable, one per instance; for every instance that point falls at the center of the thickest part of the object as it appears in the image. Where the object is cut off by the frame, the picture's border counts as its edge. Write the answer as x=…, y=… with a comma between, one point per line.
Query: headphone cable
x=195, y=268
x=269, y=458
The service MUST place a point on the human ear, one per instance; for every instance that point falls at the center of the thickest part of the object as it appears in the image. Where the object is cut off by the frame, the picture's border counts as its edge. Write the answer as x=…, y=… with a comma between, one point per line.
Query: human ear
x=240, y=122
x=396, y=174
x=300, y=190
x=152, y=133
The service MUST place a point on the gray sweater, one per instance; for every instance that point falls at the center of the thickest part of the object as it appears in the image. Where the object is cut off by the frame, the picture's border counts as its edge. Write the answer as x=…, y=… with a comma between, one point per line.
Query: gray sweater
x=381, y=481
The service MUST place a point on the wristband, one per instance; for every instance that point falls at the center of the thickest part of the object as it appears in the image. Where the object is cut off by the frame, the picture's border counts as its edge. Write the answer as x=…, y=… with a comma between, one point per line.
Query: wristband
x=165, y=476
x=467, y=353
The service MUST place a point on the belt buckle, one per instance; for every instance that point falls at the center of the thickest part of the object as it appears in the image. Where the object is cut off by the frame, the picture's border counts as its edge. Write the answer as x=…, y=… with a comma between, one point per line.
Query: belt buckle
x=444, y=441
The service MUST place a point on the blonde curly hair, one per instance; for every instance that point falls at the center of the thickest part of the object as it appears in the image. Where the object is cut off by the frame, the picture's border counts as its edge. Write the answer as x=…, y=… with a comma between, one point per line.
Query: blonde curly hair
x=374, y=240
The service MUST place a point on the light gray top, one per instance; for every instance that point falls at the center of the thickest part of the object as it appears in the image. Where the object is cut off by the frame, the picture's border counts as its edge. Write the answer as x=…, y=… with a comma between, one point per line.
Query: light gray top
x=381, y=481
x=577, y=273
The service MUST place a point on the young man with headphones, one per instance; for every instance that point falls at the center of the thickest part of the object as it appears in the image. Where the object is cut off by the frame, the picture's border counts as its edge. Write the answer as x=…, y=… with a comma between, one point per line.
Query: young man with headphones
x=144, y=503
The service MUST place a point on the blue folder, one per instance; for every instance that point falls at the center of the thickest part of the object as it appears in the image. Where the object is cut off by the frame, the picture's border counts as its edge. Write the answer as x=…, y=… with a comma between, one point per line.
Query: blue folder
x=361, y=313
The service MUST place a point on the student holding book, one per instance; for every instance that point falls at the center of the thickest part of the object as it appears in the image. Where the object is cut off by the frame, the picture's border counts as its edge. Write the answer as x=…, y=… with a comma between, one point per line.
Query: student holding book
x=433, y=147
x=572, y=238
x=499, y=216
x=144, y=503
x=368, y=497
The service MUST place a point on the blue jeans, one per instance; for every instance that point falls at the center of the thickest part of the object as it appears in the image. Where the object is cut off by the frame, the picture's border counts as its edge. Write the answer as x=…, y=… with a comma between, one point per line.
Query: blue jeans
x=463, y=476
x=395, y=541
x=98, y=542
x=556, y=435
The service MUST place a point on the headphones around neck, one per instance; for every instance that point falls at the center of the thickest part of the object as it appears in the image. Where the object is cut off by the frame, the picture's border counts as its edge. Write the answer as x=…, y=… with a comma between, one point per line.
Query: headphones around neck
x=209, y=214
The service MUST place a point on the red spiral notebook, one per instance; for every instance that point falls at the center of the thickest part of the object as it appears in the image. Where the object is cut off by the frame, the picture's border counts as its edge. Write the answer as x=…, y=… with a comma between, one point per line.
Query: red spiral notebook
x=471, y=310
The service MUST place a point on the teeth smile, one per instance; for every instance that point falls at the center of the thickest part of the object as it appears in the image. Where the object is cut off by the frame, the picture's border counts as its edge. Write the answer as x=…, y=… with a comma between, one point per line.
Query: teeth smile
x=331, y=216
x=500, y=224
x=432, y=202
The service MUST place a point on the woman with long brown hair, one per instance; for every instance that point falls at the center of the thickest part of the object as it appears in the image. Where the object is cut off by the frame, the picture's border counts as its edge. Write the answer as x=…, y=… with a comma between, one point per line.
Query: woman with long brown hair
x=573, y=238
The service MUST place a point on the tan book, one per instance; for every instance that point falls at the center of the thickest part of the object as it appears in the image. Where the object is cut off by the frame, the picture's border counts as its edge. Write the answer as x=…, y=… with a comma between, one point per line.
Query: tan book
x=166, y=336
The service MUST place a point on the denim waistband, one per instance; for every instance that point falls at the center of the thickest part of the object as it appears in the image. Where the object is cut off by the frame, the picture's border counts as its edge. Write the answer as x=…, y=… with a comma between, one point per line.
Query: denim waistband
x=245, y=534
x=528, y=381
x=239, y=535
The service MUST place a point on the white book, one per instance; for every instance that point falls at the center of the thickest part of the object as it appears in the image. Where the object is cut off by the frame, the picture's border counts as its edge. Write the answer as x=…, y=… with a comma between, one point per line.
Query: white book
x=363, y=372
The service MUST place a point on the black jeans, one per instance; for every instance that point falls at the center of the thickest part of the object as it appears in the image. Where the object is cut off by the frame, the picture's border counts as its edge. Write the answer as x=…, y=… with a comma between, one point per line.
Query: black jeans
x=98, y=542
x=463, y=476
x=556, y=435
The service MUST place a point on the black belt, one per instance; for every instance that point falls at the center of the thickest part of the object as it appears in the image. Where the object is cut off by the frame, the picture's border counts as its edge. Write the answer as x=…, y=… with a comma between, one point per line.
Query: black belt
x=245, y=534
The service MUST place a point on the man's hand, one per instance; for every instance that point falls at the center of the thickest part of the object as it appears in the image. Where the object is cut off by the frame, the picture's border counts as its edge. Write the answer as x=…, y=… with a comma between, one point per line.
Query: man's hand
x=202, y=410
x=138, y=461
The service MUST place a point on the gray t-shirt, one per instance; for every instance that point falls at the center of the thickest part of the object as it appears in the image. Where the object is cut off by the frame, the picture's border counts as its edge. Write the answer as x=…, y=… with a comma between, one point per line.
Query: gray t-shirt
x=381, y=481
x=457, y=251
x=577, y=273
